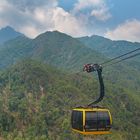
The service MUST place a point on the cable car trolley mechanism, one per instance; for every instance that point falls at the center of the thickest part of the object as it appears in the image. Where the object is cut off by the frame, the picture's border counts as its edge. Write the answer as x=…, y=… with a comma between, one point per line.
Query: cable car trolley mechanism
x=92, y=119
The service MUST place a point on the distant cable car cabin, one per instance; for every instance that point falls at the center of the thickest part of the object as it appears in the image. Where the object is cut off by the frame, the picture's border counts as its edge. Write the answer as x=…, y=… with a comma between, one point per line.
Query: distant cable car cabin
x=92, y=119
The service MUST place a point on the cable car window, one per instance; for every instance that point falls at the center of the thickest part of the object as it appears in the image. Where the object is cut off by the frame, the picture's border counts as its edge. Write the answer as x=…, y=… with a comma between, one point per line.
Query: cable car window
x=103, y=120
x=91, y=123
x=77, y=120
x=97, y=120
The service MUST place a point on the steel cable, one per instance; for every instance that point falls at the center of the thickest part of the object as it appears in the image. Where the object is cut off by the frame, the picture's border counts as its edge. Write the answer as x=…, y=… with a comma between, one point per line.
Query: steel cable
x=120, y=56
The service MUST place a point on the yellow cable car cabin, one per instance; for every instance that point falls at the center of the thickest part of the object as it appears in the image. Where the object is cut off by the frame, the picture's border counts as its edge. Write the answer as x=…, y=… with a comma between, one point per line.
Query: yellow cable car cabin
x=94, y=120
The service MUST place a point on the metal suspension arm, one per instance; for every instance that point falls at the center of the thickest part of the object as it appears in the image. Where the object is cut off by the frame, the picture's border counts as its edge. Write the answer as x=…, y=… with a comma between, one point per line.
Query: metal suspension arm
x=91, y=68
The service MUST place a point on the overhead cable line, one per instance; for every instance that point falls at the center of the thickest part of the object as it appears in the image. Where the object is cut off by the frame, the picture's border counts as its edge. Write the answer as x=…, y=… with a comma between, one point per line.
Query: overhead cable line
x=123, y=59
x=120, y=56
x=119, y=60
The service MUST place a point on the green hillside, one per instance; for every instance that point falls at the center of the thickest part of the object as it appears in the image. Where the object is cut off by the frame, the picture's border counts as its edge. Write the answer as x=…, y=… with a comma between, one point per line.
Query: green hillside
x=65, y=52
x=14, y=50
x=108, y=47
x=36, y=102
x=53, y=48
x=126, y=72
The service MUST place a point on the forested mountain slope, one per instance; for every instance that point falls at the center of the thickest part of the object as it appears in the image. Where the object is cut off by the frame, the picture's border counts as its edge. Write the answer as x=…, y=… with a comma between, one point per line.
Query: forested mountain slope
x=65, y=52
x=36, y=102
x=54, y=48
x=36, y=99
x=108, y=47
x=123, y=72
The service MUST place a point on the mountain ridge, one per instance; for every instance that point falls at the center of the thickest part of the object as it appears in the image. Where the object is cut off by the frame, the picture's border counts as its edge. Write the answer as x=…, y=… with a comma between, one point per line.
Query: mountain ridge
x=51, y=47
x=108, y=47
x=67, y=53
x=7, y=33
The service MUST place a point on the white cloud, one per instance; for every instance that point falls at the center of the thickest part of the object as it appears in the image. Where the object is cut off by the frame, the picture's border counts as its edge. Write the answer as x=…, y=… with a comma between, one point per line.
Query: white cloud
x=129, y=30
x=94, y=8
x=101, y=14
x=34, y=17
x=65, y=22
x=30, y=31
x=32, y=4
x=82, y=4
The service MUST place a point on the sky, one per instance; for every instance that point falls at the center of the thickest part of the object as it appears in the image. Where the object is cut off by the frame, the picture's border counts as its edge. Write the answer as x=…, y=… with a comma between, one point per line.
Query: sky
x=114, y=19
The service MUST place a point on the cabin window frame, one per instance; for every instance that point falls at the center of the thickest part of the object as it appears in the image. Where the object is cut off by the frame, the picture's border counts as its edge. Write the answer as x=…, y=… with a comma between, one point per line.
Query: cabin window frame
x=77, y=120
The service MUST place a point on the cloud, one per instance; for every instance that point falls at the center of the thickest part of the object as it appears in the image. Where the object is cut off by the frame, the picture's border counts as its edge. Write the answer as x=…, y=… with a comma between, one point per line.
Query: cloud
x=82, y=4
x=32, y=4
x=129, y=30
x=101, y=14
x=59, y=19
x=65, y=22
x=94, y=8
x=34, y=17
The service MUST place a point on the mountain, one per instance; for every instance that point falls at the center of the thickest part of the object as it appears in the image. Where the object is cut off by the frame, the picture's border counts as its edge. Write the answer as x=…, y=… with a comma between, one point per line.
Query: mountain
x=36, y=102
x=63, y=51
x=8, y=33
x=108, y=47
x=54, y=48
x=67, y=53
x=112, y=49
x=36, y=99
x=14, y=50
